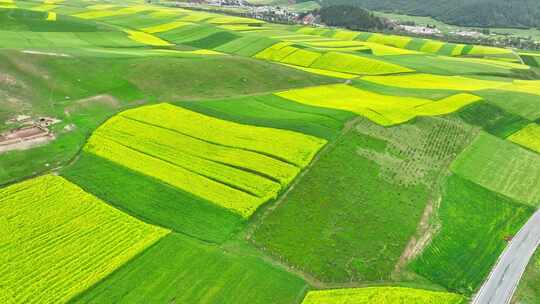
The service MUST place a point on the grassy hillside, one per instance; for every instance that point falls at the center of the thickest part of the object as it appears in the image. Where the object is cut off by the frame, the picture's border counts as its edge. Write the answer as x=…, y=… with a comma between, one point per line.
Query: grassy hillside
x=492, y=13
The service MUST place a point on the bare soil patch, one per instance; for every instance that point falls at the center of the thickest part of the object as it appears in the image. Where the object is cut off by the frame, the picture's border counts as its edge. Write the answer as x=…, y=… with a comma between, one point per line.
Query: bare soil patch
x=24, y=138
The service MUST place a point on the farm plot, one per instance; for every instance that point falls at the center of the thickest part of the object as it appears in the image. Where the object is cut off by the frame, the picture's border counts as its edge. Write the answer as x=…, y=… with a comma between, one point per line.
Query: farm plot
x=502, y=167
x=530, y=59
x=474, y=223
x=381, y=295
x=287, y=52
x=19, y=40
x=391, y=40
x=352, y=237
x=158, y=204
x=528, y=137
x=403, y=92
x=431, y=82
x=481, y=50
x=58, y=240
x=189, y=33
x=275, y=112
x=492, y=119
x=103, y=13
x=230, y=164
x=383, y=109
x=165, y=27
x=182, y=270
x=522, y=104
x=294, y=148
x=247, y=45
x=443, y=65
x=356, y=64
x=146, y=38
x=432, y=46
x=375, y=48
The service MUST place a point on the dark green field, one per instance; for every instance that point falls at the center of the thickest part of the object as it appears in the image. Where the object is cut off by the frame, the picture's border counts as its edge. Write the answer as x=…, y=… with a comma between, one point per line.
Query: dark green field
x=473, y=225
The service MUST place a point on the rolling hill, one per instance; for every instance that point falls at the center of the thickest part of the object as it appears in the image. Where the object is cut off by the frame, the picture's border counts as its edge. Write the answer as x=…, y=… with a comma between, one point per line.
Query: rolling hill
x=481, y=13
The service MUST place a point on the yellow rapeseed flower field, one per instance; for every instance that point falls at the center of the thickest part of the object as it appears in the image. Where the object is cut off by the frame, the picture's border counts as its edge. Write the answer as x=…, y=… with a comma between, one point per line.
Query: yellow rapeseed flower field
x=381, y=295
x=58, y=240
x=235, y=200
x=295, y=148
x=385, y=110
x=163, y=144
x=146, y=38
x=51, y=16
x=528, y=137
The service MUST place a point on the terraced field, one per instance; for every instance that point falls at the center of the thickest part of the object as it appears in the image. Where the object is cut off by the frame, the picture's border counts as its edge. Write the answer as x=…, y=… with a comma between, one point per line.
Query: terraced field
x=185, y=156
x=206, y=156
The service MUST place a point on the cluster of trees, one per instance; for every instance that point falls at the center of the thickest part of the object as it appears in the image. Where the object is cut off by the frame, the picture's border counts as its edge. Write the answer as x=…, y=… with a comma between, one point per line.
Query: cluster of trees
x=481, y=13
x=351, y=17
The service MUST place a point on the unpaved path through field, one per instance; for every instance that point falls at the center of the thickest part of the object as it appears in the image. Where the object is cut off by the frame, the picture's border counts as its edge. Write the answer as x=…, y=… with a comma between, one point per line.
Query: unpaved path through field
x=504, y=278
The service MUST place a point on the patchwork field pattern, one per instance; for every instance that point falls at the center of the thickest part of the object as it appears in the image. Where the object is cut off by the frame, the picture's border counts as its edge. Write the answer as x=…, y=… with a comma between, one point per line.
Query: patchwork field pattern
x=501, y=167
x=159, y=203
x=230, y=164
x=492, y=119
x=275, y=112
x=383, y=109
x=404, y=160
x=288, y=53
x=382, y=295
x=58, y=240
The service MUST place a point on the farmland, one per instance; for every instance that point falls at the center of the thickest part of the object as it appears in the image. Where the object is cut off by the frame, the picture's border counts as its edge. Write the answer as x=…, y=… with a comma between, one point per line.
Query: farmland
x=147, y=140
x=184, y=270
x=186, y=156
x=381, y=295
x=474, y=222
x=49, y=220
x=338, y=217
x=491, y=170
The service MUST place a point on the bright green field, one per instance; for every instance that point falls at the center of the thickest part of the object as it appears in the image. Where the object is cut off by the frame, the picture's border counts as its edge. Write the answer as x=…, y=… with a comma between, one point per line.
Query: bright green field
x=181, y=270
x=501, y=166
x=159, y=203
x=473, y=224
x=352, y=235
x=275, y=112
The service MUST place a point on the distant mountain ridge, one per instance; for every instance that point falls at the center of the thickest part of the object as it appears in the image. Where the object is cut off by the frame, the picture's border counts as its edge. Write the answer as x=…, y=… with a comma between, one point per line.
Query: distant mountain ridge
x=481, y=13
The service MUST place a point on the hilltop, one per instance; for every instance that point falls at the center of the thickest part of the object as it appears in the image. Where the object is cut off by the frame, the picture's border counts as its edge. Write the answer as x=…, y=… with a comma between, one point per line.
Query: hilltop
x=481, y=13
